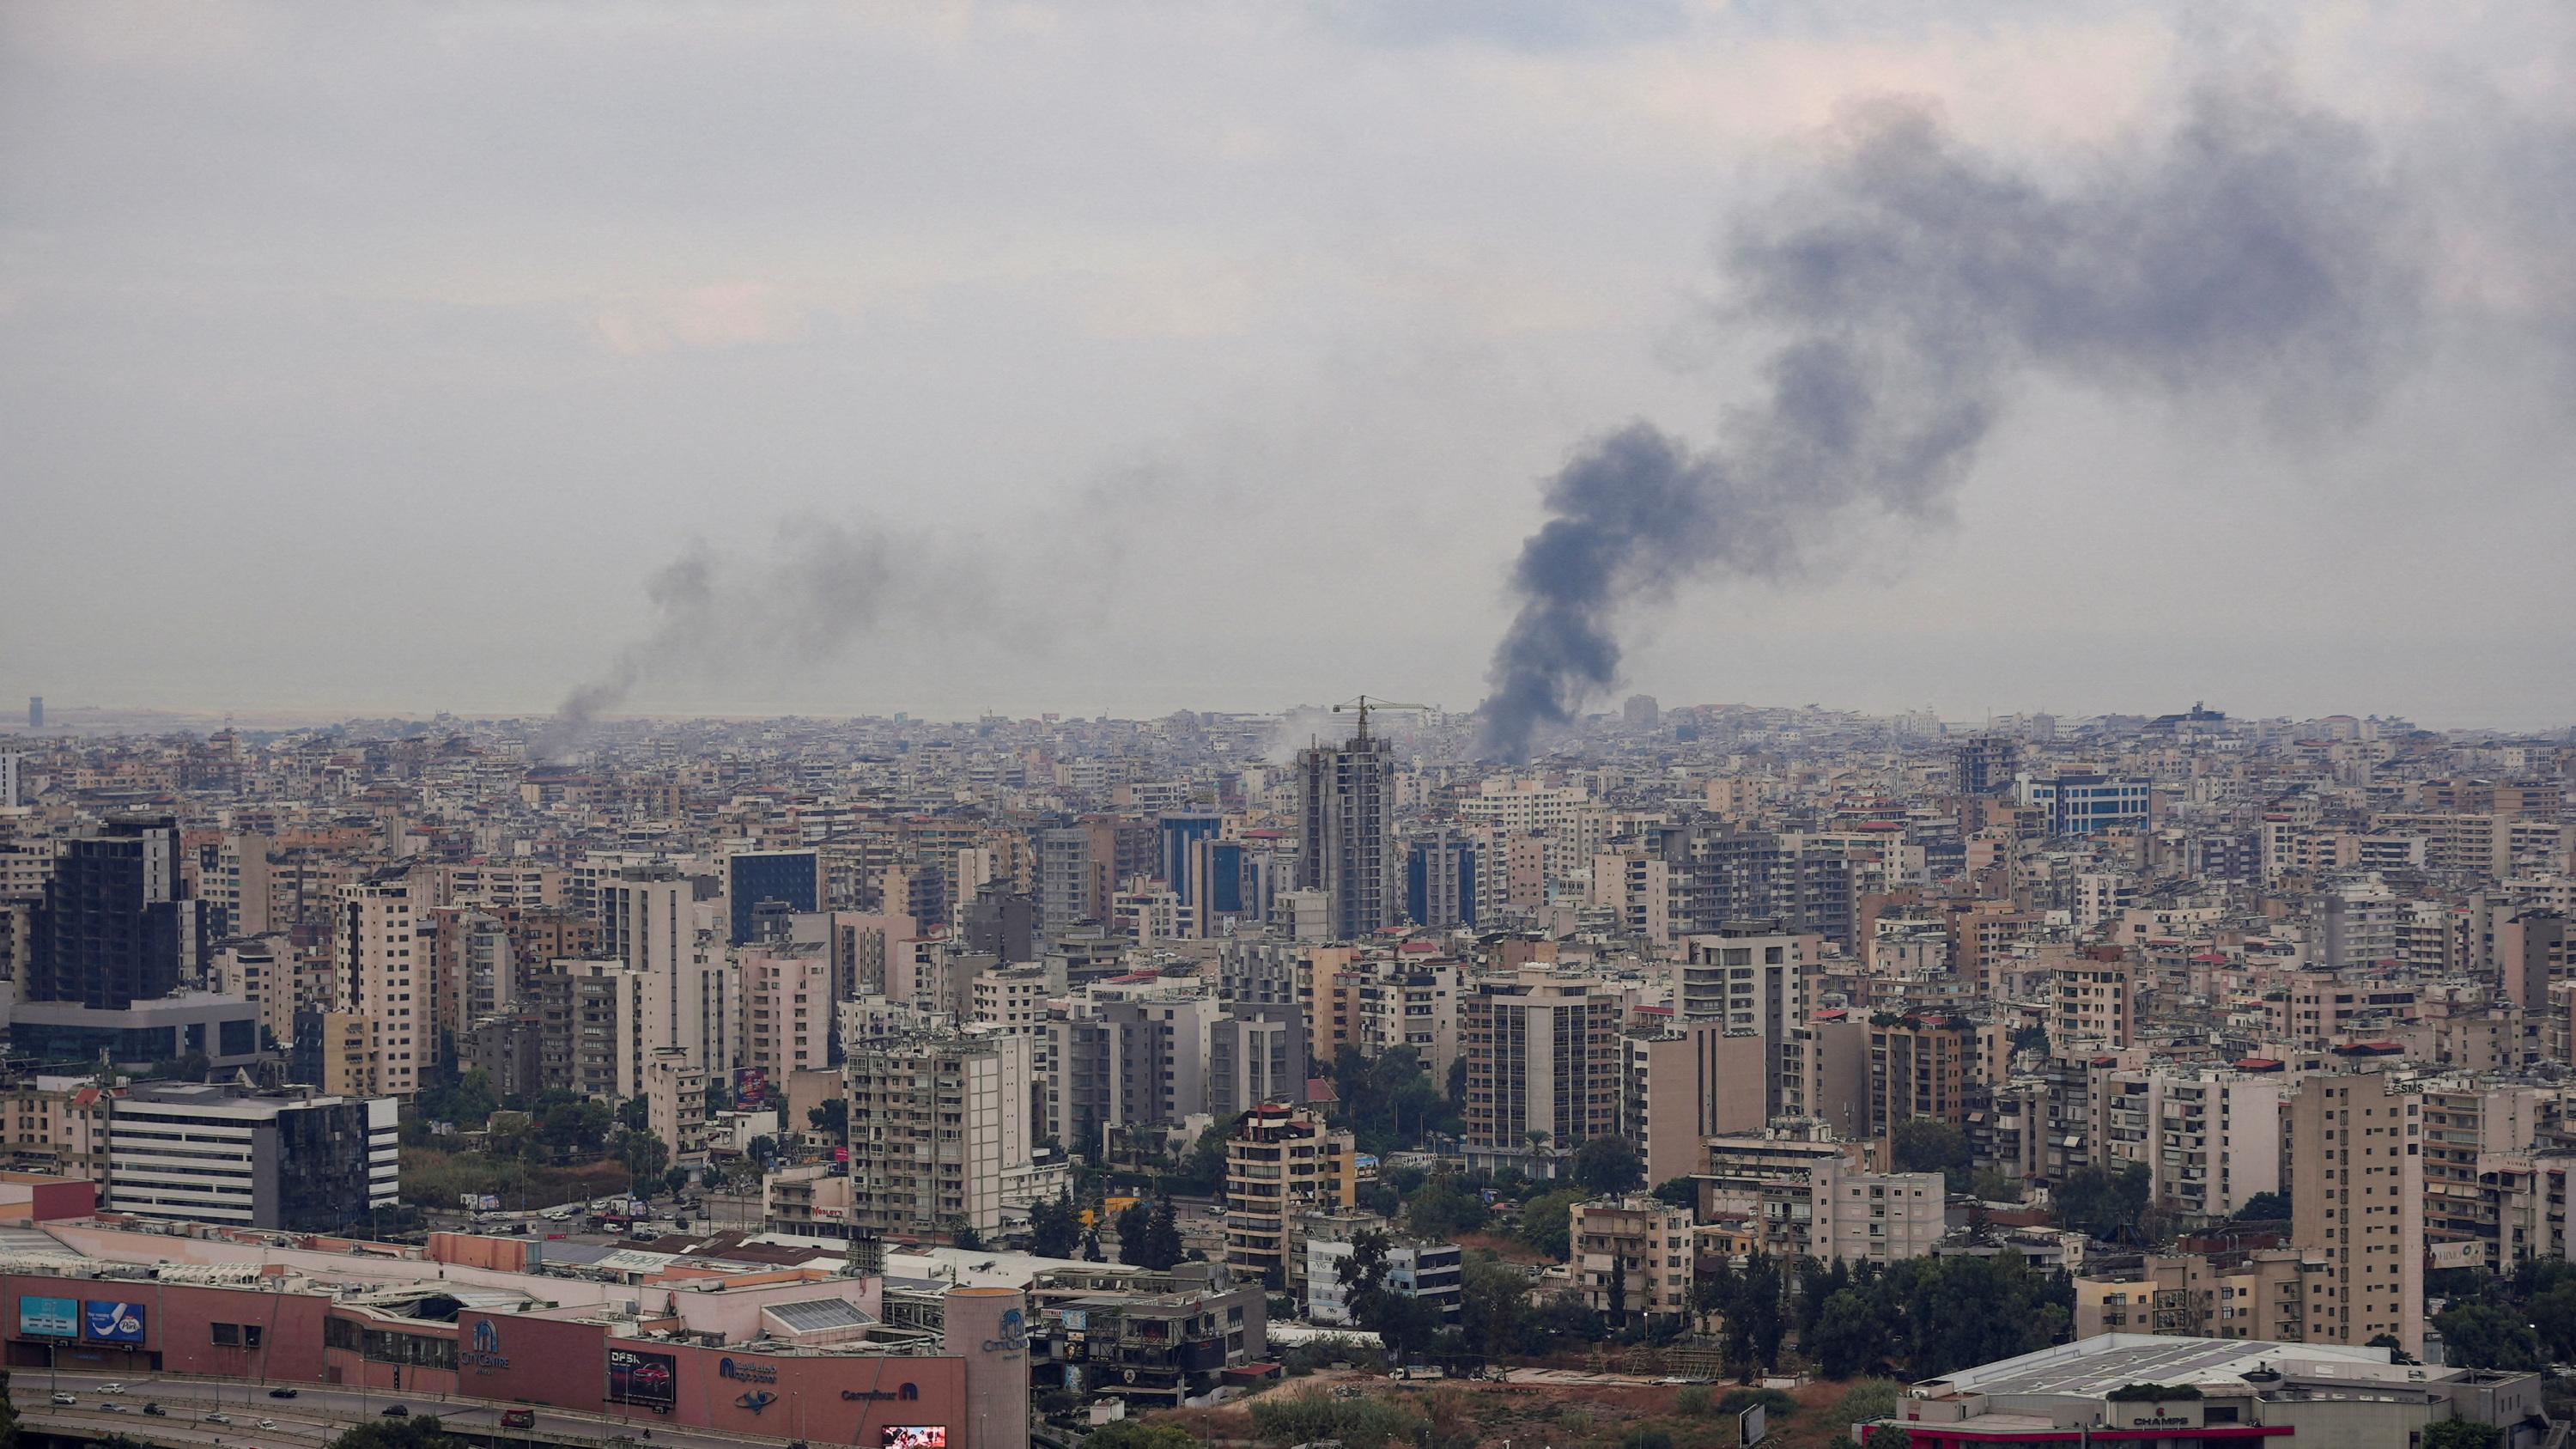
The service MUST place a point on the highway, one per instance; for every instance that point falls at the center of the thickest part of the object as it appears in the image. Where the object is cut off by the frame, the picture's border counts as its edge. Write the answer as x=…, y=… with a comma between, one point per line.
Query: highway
x=314, y=1417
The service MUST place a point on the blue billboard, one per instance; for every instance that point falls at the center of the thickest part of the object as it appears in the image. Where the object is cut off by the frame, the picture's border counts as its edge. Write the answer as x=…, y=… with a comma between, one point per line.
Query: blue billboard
x=103, y=1322
x=49, y=1317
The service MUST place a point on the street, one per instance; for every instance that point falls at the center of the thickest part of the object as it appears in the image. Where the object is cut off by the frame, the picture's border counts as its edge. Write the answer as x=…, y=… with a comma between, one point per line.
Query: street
x=314, y=1417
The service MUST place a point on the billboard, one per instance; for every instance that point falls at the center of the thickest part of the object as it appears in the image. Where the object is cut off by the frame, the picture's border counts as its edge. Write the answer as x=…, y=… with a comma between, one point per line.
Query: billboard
x=105, y=1322
x=646, y=1380
x=49, y=1317
x=1752, y=1425
x=751, y=1087
x=916, y=1436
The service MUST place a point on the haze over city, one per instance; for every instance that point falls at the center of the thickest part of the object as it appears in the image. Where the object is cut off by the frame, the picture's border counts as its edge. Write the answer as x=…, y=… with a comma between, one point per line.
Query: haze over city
x=1218, y=358
x=1330, y=724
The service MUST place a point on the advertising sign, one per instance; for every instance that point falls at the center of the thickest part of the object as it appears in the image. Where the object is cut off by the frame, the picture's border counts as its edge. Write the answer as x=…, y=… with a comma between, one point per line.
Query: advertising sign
x=104, y=1322
x=49, y=1317
x=751, y=1087
x=1752, y=1425
x=916, y=1436
x=646, y=1380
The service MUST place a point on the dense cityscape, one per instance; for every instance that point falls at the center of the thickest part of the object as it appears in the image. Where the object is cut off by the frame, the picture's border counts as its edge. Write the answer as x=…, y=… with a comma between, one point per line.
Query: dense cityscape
x=1329, y=724
x=1783, y=1047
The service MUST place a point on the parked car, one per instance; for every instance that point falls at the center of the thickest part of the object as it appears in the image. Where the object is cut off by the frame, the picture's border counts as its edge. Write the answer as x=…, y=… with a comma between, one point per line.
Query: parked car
x=518, y=1418
x=281, y=1393
x=396, y=1411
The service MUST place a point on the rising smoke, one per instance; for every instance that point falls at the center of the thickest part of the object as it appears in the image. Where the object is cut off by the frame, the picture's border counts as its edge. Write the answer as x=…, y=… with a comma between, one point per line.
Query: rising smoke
x=818, y=588
x=2259, y=256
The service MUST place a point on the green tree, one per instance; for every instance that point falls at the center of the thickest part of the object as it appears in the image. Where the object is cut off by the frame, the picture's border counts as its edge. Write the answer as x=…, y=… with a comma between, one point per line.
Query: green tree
x=574, y=1129
x=1443, y=1207
x=645, y=1155
x=1608, y=1166
x=1929, y=1145
x=1493, y=1307
x=1546, y=1221
x=1681, y=1192
x=1202, y=1168
x=2105, y=1206
x=719, y=1096
x=1055, y=1227
x=1849, y=1336
x=2265, y=1207
x=830, y=1118
x=1993, y=1186
x=1163, y=1237
x=1091, y=1245
x=963, y=1234
x=635, y=1113
x=421, y=1431
x=2462, y=1434
x=2482, y=1335
x=675, y=1180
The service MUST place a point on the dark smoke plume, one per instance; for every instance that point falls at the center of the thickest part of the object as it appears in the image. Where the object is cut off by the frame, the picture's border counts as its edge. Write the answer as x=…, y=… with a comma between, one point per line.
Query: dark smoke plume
x=2257, y=256
x=819, y=589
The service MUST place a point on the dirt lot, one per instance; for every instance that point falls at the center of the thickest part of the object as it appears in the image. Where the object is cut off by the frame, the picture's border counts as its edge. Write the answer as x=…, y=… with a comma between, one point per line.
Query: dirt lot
x=1555, y=1415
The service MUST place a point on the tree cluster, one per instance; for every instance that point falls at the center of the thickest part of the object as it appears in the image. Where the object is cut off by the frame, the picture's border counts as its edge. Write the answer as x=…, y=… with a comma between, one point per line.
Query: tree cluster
x=1929, y=1315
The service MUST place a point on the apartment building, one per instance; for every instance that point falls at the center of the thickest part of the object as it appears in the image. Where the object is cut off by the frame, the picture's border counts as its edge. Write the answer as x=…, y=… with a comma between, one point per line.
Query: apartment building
x=1918, y=1069
x=55, y=1125
x=1685, y=1082
x=2468, y=1126
x=787, y=1018
x=1874, y=1217
x=1633, y=1256
x=1281, y=1163
x=2355, y=1151
x=939, y=1132
x=382, y=979
x=1543, y=1068
x=2211, y=1138
x=2258, y=1294
x=2092, y=1004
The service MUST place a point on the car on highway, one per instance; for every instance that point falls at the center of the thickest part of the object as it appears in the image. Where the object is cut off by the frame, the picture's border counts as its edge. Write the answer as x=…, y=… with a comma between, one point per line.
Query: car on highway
x=65, y=1399
x=111, y=1388
x=113, y=1407
x=217, y=1417
x=396, y=1411
x=518, y=1418
x=281, y=1393
x=156, y=1411
x=268, y=1423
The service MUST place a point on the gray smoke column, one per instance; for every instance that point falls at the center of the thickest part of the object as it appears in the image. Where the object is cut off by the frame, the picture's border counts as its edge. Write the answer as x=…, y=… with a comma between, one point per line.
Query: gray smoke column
x=818, y=589
x=2257, y=256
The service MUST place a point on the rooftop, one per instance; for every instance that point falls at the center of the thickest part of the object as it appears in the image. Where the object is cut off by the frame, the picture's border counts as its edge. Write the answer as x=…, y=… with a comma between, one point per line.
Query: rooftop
x=2092, y=1367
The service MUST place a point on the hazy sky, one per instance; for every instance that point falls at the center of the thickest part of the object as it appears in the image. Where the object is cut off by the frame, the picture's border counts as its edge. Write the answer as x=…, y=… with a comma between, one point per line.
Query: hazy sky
x=1103, y=357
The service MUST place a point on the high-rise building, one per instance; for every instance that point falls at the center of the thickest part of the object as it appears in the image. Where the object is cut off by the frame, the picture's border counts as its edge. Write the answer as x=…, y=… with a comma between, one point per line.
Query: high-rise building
x=9, y=763
x=35, y=711
x=790, y=878
x=787, y=1010
x=1174, y=832
x=114, y=926
x=648, y=920
x=1687, y=1082
x=1440, y=880
x=1346, y=833
x=939, y=1132
x=2531, y=951
x=1543, y=1069
x=382, y=979
x=1985, y=764
x=1749, y=976
x=1281, y=1162
x=294, y=1159
x=2357, y=1196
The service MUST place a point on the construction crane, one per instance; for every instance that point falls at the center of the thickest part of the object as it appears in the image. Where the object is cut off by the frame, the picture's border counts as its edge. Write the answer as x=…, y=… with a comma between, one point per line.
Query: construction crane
x=1364, y=704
